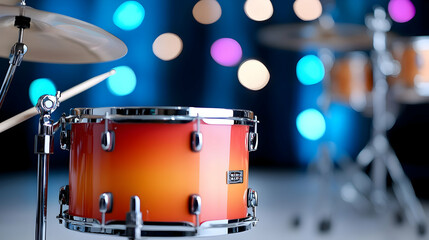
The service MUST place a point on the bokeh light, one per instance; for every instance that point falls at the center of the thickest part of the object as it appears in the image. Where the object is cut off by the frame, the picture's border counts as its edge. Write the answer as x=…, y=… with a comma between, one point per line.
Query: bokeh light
x=311, y=124
x=258, y=10
x=207, y=11
x=226, y=51
x=253, y=74
x=401, y=11
x=307, y=10
x=129, y=15
x=123, y=82
x=167, y=46
x=310, y=70
x=41, y=87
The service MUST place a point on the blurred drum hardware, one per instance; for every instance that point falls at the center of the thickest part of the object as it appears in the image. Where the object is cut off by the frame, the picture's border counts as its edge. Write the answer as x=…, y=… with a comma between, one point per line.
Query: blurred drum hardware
x=53, y=38
x=378, y=151
x=340, y=83
x=146, y=183
x=360, y=81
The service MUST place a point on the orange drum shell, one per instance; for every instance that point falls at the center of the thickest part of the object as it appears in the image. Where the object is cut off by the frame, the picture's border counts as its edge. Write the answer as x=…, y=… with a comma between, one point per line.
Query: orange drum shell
x=413, y=63
x=155, y=162
x=347, y=78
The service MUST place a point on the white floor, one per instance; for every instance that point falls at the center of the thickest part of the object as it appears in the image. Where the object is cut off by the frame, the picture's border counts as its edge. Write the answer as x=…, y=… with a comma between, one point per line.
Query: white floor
x=283, y=195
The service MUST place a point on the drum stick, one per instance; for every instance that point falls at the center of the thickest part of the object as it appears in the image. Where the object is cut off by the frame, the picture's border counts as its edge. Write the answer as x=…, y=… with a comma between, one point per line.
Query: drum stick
x=31, y=112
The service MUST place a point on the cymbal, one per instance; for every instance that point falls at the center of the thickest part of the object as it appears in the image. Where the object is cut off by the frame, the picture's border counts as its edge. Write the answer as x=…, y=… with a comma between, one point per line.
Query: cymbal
x=55, y=38
x=10, y=2
x=304, y=36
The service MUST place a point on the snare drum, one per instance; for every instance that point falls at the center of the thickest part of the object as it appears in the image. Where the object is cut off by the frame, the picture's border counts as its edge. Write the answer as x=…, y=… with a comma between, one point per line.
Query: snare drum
x=351, y=80
x=413, y=79
x=164, y=171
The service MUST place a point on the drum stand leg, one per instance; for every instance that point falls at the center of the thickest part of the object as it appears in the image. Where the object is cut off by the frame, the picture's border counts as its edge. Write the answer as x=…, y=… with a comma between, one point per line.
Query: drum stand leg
x=378, y=152
x=43, y=147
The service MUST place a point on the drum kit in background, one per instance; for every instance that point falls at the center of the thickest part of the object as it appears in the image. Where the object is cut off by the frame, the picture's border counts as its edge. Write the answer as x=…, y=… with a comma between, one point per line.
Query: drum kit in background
x=121, y=183
x=396, y=68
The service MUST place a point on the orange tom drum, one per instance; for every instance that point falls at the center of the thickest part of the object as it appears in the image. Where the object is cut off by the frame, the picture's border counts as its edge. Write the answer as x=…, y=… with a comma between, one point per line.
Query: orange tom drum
x=351, y=80
x=159, y=171
x=412, y=83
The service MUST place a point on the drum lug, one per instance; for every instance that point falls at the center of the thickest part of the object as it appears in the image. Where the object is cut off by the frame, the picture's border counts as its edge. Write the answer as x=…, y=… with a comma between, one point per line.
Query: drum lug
x=64, y=134
x=197, y=138
x=253, y=138
x=107, y=137
x=105, y=205
x=252, y=200
x=63, y=199
x=195, y=208
x=134, y=220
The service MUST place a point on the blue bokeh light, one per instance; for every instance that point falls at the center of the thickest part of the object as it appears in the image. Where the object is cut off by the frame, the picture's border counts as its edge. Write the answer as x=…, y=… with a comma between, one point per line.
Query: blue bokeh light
x=311, y=124
x=41, y=87
x=123, y=82
x=310, y=70
x=129, y=15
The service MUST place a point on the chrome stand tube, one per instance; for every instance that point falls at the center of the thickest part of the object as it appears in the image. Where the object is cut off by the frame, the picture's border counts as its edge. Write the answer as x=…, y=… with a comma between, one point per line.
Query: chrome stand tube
x=43, y=147
x=6, y=83
x=16, y=55
x=325, y=163
x=42, y=195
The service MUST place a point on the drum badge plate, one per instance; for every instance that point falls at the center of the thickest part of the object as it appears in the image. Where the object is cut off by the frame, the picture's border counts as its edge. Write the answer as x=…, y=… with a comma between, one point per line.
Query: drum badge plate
x=234, y=177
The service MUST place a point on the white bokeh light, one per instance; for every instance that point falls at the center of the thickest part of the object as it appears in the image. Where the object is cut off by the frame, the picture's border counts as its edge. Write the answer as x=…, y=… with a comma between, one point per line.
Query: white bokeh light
x=167, y=46
x=207, y=11
x=258, y=10
x=307, y=10
x=253, y=74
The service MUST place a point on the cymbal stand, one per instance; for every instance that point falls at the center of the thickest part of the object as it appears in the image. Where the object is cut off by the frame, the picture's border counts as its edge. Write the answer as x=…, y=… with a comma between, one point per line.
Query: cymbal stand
x=324, y=162
x=378, y=150
x=16, y=54
x=43, y=147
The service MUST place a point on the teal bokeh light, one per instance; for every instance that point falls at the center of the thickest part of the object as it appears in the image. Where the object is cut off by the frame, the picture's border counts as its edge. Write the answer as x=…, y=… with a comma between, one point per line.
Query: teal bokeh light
x=310, y=70
x=311, y=124
x=41, y=87
x=129, y=15
x=123, y=82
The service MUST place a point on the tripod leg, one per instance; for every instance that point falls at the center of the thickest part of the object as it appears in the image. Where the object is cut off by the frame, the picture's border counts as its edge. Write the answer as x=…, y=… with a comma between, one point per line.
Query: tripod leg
x=366, y=155
x=405, y=194
x=378, y=176
x=325, y=169
x=358, y=186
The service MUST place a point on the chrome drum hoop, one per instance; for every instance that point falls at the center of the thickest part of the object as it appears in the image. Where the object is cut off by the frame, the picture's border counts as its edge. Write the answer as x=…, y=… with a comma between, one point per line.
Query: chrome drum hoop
x=164, y=114
x=160, y=229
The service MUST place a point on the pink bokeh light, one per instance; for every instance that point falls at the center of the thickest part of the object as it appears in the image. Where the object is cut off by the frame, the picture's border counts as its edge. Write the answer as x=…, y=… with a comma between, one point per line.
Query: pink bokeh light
x=401, y=11
x=226, y=51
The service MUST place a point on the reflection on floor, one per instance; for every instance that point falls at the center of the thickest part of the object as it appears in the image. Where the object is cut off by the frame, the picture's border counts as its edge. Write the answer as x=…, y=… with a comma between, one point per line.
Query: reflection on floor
x=285, y=198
